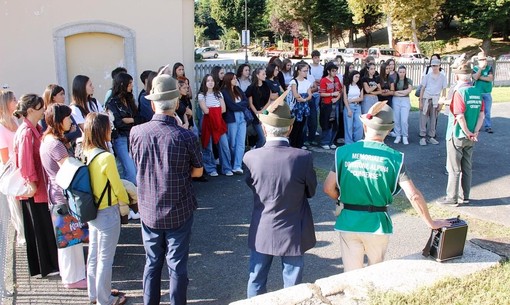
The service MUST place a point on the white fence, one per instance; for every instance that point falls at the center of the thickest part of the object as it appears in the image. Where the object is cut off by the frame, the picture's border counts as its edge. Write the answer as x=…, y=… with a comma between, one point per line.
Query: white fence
x=414, y=70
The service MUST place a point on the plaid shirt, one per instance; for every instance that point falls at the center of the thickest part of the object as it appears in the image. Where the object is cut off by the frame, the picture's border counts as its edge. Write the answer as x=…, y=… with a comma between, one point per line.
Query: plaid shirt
x=164, y=154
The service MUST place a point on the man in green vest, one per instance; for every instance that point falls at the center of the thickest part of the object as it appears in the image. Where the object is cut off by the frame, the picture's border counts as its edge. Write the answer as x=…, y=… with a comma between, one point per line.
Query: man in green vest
x=483, y=76
x=363, y=180
x=464, y=122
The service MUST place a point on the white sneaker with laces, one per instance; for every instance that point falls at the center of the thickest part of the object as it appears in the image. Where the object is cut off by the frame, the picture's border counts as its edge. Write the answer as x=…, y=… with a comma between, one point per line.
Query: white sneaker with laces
x=433, y=141
x=397, y=140
x=133, y=215
x=213, y=174
x=392, y=134
x=229, y=173
x=423, y=142
x=405, y=141
x=332, y=146
x=325, y=146
x=304, y=147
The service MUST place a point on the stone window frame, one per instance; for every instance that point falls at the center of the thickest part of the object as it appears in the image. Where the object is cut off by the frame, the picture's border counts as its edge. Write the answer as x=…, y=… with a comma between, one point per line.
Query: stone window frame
x=93, y=26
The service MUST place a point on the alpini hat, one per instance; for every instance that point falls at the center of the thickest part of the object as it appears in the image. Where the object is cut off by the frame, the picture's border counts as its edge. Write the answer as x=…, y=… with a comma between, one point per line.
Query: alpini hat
x=481, y=54
x=379, y=117
x=164, y=88
x=278, y=113
x=464, y=68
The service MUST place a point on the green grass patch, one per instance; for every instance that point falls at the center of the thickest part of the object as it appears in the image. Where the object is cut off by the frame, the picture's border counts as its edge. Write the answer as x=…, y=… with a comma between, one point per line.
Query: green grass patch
x=477, y=227
x=486, y=287
x=499, y=95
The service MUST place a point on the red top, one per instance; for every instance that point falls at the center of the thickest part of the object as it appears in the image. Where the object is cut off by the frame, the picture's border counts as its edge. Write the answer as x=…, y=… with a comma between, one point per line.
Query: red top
x=27, y=142
x=328, y=86
x=213, y=125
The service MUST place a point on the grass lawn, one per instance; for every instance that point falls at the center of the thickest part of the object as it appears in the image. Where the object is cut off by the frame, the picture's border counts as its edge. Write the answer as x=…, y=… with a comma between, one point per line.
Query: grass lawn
x=499, y=95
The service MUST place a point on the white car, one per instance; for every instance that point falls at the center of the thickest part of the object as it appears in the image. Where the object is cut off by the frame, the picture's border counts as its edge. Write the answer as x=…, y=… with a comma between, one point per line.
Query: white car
x=332, y=54
x=412, y=57
x=207, y=52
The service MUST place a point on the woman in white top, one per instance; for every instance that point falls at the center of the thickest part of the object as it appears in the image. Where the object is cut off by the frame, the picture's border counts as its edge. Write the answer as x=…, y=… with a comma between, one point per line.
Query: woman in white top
x=82, y=100
x=8, y=127
x=243, y=76
x=302, y=92
x=353, y=96
x=214, y=128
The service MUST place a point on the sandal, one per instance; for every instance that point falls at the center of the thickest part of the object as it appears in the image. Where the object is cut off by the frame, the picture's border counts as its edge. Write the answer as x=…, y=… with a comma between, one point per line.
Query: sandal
x=114, y=292
x=120, y=300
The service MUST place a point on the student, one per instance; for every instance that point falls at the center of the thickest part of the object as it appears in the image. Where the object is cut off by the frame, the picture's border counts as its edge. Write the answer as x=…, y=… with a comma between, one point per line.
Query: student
x=82, y=101
x=258, y=94
x=331, y=92
x=104, y=231
x=302, y=92
x=114, y=73
x=402, y=105
x=353, y=96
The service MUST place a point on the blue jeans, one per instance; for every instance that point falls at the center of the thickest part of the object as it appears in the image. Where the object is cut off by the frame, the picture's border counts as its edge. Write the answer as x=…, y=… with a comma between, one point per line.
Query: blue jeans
x=172, y=245
x=261, y=138
x=208, y=156
x=104, y=232
x=311, y=121
x=236, y=139
x=352, y=125
x=120, y=146
x=487, y=100
x=292, y=272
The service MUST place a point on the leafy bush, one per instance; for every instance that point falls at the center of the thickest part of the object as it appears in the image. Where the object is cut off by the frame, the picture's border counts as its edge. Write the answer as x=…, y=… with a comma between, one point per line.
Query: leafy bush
x=430, y=47
x=230, y=40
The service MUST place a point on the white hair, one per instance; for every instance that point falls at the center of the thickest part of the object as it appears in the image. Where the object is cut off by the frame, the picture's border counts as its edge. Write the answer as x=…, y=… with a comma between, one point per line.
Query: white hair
x=275, y=131
x=370, y=133
x=165, y=105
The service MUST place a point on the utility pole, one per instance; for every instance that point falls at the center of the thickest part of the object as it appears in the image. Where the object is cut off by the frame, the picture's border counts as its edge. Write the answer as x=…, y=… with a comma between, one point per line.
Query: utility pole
x=246, y=31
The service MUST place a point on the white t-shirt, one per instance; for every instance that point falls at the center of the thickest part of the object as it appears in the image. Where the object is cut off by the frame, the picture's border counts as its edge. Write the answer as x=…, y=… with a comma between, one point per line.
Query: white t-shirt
x=317, y=71
x=76, y=113
x=302, y=86
x=354, y=92
x=433, y=84
x=211, y=100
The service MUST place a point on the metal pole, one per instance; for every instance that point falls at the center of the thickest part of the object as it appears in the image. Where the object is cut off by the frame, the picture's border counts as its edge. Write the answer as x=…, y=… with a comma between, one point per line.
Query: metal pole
x=246, y=31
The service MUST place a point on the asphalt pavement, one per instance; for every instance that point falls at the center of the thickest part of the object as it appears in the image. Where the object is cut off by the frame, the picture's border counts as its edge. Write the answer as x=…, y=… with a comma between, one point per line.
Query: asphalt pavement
x=218, y=264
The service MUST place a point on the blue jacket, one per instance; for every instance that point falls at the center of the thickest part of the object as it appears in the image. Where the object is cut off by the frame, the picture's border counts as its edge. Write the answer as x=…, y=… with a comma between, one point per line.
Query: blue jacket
x=232, y=106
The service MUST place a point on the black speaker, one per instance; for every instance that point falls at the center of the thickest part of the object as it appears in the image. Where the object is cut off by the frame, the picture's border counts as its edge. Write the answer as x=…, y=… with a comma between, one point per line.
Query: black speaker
x=448, y=242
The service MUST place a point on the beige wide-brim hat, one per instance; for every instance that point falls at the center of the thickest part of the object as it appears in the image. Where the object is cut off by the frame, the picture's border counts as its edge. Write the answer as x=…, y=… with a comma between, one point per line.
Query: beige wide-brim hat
x=278, y=113
x=464, y=68
x=379, y=117
x=164, y=88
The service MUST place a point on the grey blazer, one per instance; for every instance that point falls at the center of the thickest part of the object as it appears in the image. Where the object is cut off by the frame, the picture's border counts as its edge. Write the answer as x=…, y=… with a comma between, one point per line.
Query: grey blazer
x=281, y=178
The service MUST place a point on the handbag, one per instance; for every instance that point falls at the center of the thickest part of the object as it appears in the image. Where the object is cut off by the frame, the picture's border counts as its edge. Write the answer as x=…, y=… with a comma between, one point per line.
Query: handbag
x=11, y=181
x=418, y=91
x=69, y=231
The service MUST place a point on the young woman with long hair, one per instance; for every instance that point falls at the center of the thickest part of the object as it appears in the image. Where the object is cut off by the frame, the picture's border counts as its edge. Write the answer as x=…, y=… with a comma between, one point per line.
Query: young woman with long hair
x=258, y=94
x=272, y=71
x=125, y=113
x=179, y=74
x=184, y=109
x=392, y=74
x=302, y=92
x=353, y=97
x=56, y=94
x=217, y=72
x=104, y=231
x=83, y=101
x=40, y=237
x=236, y=103
x=371, y=88
x=402, y=105
x=8, y=127
x=386, y=84
x=331, y=93
x=55, y=149
x=243, y=76
x=280, y=78
x=288, y=75
x=214, y=129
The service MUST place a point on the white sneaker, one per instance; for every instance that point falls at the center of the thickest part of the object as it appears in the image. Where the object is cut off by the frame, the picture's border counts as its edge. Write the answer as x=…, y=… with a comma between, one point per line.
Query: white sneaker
x=133, y=215
x=325, y=146
x=229, y=173
x=433, y=141
x=405, y=141
x=213, y=174
x=304, y=147
x=238, y=171
x=423, y=142
x=332, y=146
x=392, y=134
x=397, y=140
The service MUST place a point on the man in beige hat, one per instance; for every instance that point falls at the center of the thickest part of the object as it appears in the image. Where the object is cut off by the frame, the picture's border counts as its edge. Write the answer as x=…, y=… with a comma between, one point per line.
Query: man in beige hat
x=483, y=75
x=465, y=119
x=282, y=179
x=364, y=178
x=167, y=156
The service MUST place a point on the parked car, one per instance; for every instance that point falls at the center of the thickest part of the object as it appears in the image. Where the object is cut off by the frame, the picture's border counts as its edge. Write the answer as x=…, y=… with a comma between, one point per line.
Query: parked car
x=355, y=55
x=332, y=54
x=207, y=52
x=450, y=58
x=504, y=57
x=383, y=54
x=412, y=58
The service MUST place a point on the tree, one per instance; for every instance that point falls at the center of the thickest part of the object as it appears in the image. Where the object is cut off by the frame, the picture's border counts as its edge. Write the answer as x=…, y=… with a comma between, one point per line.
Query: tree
x=480, y=17
x=333, y=17
x=448, y=10
x=280, y=22
x=302, y=11
x=205, y=25
x=230, y=14
x=366, y=15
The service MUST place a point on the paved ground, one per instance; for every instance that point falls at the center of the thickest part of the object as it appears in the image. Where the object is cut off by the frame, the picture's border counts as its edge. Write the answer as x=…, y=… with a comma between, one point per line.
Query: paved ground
x=219, y=255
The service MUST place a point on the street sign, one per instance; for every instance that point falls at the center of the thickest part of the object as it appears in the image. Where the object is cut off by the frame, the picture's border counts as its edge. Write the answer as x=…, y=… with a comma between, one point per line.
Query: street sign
x=245, y=37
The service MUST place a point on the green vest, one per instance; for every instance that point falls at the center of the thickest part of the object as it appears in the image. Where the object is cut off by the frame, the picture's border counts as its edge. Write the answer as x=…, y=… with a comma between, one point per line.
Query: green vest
x=473, y=102
x=484, y=86
x=367, y=173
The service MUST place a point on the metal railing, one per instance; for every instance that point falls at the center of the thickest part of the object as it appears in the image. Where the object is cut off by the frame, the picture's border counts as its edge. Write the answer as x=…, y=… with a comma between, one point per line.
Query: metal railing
x=414, y=70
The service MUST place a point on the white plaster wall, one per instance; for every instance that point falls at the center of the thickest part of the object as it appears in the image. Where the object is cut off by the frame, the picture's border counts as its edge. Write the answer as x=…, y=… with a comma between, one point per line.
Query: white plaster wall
x=163, y=33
